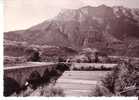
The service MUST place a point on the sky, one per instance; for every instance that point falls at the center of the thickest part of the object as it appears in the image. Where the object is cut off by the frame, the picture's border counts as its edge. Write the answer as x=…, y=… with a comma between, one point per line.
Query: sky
x=22, y=14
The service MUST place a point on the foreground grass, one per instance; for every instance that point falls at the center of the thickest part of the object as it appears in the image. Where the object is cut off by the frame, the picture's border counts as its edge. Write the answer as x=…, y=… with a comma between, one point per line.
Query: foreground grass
x=47, y=91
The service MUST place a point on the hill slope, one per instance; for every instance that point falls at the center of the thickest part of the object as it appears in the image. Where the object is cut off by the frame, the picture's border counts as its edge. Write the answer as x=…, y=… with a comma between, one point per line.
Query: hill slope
x=102, y=27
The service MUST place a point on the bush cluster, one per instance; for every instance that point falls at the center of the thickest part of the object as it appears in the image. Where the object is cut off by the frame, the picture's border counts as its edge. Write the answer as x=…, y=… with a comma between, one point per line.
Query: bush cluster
x=91, y=68
x=51, y=91
x=100, y=91
x=122, y=77
x=46, y=90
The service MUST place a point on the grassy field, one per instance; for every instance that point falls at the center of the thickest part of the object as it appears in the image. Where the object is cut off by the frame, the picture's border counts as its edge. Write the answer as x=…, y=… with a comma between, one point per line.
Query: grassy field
x=79, y=83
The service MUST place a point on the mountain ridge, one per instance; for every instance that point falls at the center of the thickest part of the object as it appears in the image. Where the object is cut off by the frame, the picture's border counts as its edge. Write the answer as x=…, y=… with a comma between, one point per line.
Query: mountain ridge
x=94, y=27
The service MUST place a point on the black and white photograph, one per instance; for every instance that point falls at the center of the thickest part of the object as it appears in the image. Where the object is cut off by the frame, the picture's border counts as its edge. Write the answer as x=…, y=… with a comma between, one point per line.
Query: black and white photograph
x=71, y=48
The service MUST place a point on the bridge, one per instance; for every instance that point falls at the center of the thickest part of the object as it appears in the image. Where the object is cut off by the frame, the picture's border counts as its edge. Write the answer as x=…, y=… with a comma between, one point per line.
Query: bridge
x=21, y=72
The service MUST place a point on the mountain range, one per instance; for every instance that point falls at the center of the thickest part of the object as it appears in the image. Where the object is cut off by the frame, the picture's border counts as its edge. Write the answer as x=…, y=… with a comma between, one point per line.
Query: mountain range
x=114, y=30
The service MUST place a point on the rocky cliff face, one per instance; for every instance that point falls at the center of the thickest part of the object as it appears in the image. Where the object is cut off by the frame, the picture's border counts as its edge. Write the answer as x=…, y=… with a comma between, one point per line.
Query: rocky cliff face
x=99, y=27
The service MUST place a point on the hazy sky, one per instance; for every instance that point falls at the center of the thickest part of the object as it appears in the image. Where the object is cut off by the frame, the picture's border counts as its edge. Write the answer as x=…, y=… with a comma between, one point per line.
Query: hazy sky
x=22, y=14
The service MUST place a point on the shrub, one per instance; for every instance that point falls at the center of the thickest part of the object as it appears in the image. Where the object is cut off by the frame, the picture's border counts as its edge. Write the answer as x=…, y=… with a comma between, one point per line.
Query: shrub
x=61, y=59
x=48, y=91
x=102, y=67
x=109, y=82
x=82, y=68
x=90, y=68
x=26, y=92
x=62, y=67
x=100, y=91
x=78, y=61
x=51, y=91
x=122, y=76
x=34, y=56
x=74, y=68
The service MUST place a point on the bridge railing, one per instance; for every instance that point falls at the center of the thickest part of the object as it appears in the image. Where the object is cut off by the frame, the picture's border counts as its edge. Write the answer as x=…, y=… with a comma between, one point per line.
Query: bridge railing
x=29, y=65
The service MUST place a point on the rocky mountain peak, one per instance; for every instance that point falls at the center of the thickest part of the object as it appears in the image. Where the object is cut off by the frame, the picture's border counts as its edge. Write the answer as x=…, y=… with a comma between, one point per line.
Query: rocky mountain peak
x=93, y=27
